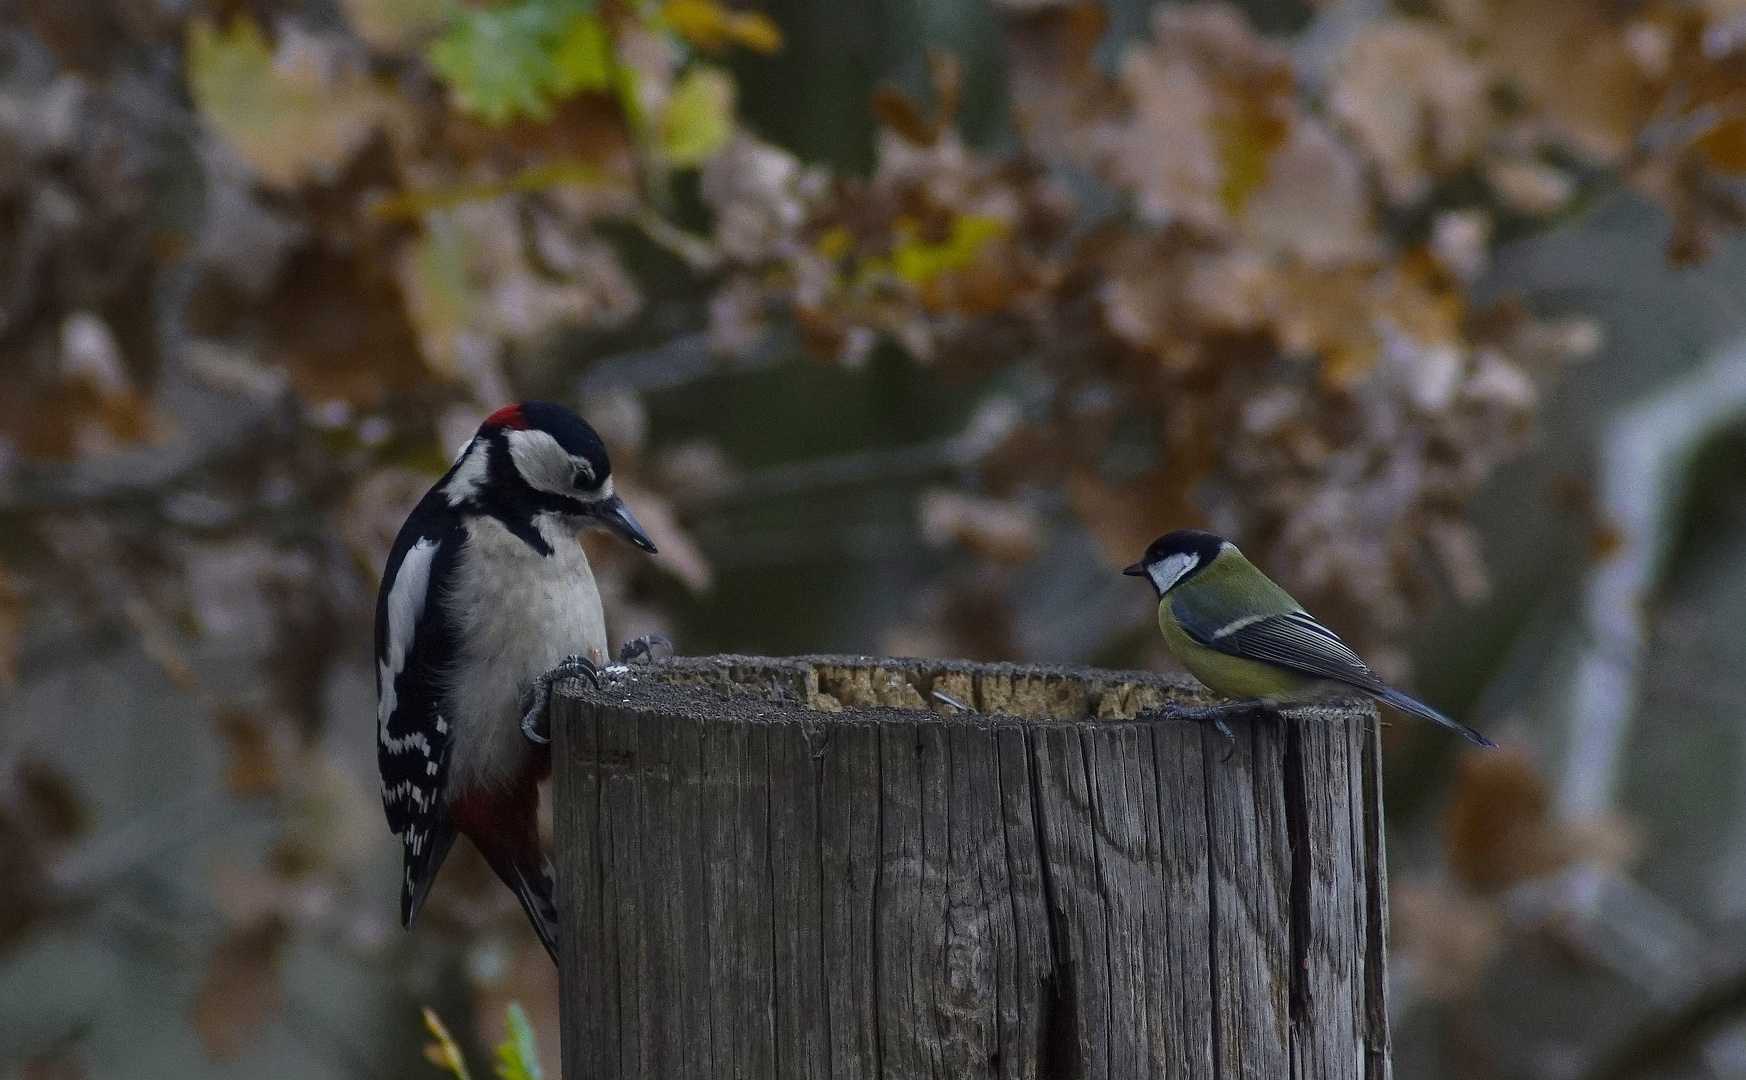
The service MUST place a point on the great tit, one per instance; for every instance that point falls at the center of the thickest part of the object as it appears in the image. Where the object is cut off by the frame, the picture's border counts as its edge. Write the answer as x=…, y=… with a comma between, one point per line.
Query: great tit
x=1247, y=639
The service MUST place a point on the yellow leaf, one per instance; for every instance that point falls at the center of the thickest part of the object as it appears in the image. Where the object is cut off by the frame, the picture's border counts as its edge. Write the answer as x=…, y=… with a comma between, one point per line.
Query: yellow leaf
x=443, y=1053
x=700, y=22
x=700, y=116
x=583, y=58
x=710, y=27
x=835, y=243
x=919, y=261
x=295, y=113
x=1246, y=139
x=755, y=31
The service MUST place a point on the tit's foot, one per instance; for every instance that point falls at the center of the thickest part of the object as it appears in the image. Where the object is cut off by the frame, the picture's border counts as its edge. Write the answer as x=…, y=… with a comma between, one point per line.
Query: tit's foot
x=643, y=646
x=536, y=721
x=1219, y=716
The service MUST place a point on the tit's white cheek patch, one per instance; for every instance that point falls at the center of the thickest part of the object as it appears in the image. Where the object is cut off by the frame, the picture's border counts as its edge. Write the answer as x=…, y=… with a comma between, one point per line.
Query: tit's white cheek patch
x=1166, y=572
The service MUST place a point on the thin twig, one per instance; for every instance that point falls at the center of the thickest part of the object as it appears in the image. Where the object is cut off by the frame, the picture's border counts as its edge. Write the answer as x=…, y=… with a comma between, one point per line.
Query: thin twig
x=223, y=432
x=696, y=252
x=682, y=360
x=881, y=464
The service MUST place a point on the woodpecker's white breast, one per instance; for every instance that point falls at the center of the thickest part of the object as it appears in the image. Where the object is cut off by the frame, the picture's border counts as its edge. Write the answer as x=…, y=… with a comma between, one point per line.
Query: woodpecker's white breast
x=519, y=614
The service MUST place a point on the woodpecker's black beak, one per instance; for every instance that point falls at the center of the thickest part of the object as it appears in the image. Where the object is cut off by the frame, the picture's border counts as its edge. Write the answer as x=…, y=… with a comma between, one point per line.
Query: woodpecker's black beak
x=1136, y=570
x=615, y=517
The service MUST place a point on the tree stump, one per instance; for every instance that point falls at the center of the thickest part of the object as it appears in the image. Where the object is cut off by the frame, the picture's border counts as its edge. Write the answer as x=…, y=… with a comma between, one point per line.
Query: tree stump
x=822, y=868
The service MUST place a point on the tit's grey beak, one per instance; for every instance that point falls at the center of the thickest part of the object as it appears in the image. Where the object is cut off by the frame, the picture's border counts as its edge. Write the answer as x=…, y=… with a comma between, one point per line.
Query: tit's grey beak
x=1136, y=570
x=615, y=517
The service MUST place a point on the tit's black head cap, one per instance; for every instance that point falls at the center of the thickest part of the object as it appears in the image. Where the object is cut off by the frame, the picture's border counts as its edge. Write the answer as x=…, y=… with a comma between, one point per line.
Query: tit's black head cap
x=1204, y=545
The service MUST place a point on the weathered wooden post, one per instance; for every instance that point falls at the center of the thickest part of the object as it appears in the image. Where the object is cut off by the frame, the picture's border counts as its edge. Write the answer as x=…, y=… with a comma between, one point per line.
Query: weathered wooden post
x=821, y=869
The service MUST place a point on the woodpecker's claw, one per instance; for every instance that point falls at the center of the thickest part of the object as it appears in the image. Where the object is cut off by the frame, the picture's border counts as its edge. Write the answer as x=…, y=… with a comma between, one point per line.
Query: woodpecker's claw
x=643, y=646
x=534, y=721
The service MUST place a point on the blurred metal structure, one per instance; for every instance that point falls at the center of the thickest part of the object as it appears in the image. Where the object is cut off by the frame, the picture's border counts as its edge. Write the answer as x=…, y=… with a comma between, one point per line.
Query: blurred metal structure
x=1646, y=454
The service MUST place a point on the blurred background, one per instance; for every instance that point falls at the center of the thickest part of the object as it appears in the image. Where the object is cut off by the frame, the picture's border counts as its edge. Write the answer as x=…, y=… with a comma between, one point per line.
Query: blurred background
x=907, y=323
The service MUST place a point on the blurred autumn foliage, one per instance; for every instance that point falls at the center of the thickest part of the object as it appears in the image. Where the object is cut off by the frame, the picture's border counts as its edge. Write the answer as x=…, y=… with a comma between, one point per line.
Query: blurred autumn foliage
x=266, y=263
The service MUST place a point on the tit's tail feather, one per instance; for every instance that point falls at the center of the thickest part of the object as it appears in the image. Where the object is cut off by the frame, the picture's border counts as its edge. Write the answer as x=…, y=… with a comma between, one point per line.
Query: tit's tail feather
x=422, y=862
x=1408, y=703
x=531, y=881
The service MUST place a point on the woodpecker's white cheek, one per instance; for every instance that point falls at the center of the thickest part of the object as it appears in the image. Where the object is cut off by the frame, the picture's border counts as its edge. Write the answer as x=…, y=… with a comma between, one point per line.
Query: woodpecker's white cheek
x=544, y=464
x=406, y=599
x=1167, y=571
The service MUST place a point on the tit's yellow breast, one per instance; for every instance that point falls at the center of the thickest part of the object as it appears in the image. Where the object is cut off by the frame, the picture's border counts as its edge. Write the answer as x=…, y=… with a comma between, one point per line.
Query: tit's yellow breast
x=1231, y=676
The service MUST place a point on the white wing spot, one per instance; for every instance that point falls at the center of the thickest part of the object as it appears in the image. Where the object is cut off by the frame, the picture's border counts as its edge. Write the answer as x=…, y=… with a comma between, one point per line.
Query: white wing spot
x=406, y=601
x=1237, y=624
x=407, y=791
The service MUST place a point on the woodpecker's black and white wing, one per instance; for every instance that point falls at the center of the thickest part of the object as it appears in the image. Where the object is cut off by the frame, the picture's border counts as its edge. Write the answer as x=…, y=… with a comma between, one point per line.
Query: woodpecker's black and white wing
x=1295, y=640
x=415, y=649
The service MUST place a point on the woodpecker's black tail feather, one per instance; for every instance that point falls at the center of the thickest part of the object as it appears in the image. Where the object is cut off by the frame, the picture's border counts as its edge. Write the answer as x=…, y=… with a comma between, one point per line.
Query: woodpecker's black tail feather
x=421, y=868
x=533, y=886
x=1408, y=703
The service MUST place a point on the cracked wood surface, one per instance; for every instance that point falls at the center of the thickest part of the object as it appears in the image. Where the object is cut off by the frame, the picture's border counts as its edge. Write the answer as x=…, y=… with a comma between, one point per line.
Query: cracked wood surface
x=817, y=869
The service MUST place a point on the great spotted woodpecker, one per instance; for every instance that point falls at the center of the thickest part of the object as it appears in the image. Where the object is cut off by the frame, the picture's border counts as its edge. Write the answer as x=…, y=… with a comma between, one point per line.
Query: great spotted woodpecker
x=487, y=598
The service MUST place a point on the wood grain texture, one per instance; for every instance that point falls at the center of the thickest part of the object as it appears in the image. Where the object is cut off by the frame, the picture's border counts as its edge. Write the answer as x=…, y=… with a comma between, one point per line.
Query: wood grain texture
x=814, y=869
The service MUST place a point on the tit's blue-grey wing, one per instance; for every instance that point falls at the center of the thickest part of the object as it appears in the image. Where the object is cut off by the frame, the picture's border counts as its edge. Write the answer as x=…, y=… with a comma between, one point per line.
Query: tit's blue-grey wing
x=1293, y=640
x=1296, y=641
x=414, y=651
